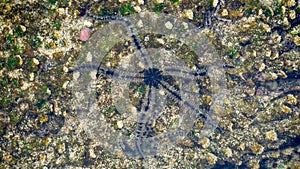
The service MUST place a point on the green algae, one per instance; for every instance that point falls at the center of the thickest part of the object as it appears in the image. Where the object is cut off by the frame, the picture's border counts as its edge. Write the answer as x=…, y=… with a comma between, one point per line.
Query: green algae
x=127, y=9
x=158, y=8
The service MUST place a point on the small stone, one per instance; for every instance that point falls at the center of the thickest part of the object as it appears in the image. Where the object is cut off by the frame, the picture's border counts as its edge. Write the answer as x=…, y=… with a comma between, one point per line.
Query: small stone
x=276, y=37
x=160, y=41
x=43, y=118
x=25, y=86
x=288, y=151
x=137, y=8
x=268, y=53
x=35, y=61
x=291, y=99
x=7, y=7
x=23, y=28
x=88, y=23
x=48, y=91
x=120, y=154
x=208, y=99
x=76, y=75
x=292, y=14
x=212, y=159
x=31, y=76
x=297, y=40
x=224, y=12
x=7, y=156
x=262, y=67
x=61, y=148
x=64, y=86
x=61, y=11
x=273, y=76
x=266, y=2
x=286, y=109
x=141, y=2
x=120, y=124
x=42, y=158
x=47, y=141
x=65, y=69
x=169, y=25
x=246, y=26
x=282, y=74
x=275, y=55
x=283, y=9
x=242, y=146
x=215, y=3
x=286, y=21
x=85, y=34
x=93, y=74
x=72, y=155
x=189, y=14
x=290, y=3
x=228, y=152
x=271, y=135
x=267, y=28
x=92, y=153
x=260, y=12
x=257, y=149
x=159, y=1
x=20, y=60
x=205, y=142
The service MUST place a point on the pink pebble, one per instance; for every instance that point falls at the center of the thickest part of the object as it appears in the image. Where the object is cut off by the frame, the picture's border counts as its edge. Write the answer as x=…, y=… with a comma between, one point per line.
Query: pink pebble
x=85, y=34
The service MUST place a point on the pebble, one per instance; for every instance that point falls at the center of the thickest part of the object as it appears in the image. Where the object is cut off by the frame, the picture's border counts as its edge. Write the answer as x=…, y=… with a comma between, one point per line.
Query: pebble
x=228, y=152
x=282, y=74
x=61, y=147
x=35, y=61
x=25, y=86
x=262, y=67
x=64, y=86
x=291, y=3
x=297, y=40
x=23, y=28
x=286, y=109
x=286, y=21
x=266, y=27
x=224, y=12
x=291, y=99
x=266, y=2
x=92, y=153
x=169, y=25
x=292, y=14
x=215, y=3
x=43, y=118
x=242, y=146
x=212, y=159
x=189, y=14
x=160, y=41
x=257, y=149
x=205, y=142
x=120, y=124
x=85, y=34
x=159, y=1
x=31, y=76
x=271, y=135
x=20, y=60
x=137, y=8
x=141, y=2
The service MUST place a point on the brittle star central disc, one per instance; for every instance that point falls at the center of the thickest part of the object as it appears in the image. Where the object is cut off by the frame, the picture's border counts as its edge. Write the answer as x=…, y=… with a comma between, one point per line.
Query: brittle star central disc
x=152, y=77
x=143, y=83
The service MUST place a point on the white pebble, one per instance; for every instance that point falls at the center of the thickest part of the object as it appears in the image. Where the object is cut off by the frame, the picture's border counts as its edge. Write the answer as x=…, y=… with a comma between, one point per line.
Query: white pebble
x=169, y=25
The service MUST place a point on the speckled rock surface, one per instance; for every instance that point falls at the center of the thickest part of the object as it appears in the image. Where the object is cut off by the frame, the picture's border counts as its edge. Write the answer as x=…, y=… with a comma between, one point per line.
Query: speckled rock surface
x=258, y=42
